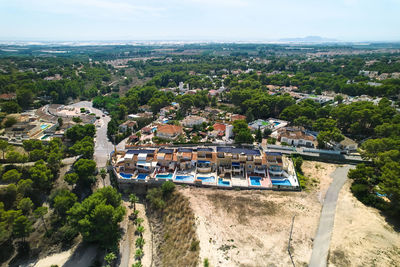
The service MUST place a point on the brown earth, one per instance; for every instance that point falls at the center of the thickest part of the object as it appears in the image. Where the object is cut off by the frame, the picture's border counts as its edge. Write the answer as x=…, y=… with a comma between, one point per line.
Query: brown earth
x=251, y=228
x=361, y=236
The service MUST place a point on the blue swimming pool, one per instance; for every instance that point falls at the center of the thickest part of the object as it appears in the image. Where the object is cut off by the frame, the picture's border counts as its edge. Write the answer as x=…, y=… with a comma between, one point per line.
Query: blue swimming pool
x=222, y=182
x=276, y=123
x=45, y=137
x=283, y=182
x=125, y=175
x=44, y=126
x=141, y=176
x=186, y=178
x=255, y=180
x=164, y=176
x=210, y=179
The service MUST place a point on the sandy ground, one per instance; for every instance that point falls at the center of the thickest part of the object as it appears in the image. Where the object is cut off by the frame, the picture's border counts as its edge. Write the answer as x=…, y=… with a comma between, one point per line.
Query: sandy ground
x=320, y=172
x=251, y=228
x=59, y=258
x=361, y=236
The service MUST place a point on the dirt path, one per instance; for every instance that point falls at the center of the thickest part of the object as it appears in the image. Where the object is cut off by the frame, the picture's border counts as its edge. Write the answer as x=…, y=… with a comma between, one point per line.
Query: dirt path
x=322, y=239
x=147, y=248
x=127, y=243
x=361, y=236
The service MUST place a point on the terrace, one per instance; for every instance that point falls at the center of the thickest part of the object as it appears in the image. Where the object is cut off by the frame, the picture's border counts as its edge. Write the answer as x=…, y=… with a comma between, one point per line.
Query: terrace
x=246, y=168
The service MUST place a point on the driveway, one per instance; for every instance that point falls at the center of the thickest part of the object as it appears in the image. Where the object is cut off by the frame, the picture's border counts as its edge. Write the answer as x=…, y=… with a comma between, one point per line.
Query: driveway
x=322, y=239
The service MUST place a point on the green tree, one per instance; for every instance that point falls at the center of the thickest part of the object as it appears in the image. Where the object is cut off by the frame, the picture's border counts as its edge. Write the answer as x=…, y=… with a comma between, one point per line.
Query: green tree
x=103, y=174
x=133, y=199
x=15, y=157
x=25, y=97
x=41, y=175
x=62, y=201
x=339, y=99
x=30, y=145
x=71, y=178
x=139, y=221
x=25, y=205
x=37, y=154
x=77, y=119
x=22, y=227
x=325, y=137
x=138, y=254
x=137, y=264
x=24, y=186
x=85, y=168
x=97, y=218
x=40, y=212
x=60, y=122
x=10, y=107
x=167, y=188
x=259, y=135
x=11, y=176
x=140, y=242
x=3, y=147
x=109, y=258
x=140, y=230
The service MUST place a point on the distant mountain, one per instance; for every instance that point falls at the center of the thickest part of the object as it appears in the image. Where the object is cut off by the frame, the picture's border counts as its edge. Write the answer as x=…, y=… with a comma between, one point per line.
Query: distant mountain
x=308, y=39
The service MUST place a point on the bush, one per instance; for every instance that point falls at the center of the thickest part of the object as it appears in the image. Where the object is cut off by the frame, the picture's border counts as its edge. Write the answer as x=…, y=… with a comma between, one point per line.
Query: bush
x=66, y=234
x=10, y=122
x=167, y=188
x=194, y=246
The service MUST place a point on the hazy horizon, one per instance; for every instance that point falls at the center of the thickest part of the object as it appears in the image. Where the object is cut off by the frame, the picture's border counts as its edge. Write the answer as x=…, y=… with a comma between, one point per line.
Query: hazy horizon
x=198, y=20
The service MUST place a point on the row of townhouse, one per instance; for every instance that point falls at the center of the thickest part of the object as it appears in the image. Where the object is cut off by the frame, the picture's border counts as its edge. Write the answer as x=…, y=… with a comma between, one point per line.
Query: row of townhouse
x=218, y=166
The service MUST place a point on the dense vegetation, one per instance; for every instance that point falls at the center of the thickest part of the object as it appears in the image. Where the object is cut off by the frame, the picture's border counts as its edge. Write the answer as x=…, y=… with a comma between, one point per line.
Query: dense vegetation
x=31, y=78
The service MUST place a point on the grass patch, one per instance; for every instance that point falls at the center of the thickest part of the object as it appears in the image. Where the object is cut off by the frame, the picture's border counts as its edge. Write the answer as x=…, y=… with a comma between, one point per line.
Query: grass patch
x=180, y=245
x=339, y=258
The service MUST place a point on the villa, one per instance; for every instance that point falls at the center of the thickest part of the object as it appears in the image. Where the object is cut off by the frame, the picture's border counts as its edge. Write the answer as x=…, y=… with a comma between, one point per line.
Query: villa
x=170, y=132
x=296, y=136
x=222, y=167
x=191, y=121
x=281, y=170
x=270, y=123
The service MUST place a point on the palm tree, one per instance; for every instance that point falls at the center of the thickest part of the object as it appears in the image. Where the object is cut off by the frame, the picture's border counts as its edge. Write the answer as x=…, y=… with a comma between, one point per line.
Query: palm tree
x=139, y=221
x=140, y=242
x=103, y=174
x=140, y=230
x=109, y=258
x=137, y=264
x=133, y=199
x=139, y=254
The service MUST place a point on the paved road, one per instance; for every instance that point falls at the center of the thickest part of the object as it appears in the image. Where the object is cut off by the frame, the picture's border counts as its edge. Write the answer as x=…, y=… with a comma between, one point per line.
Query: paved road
x=103, y=146
x=322, y=240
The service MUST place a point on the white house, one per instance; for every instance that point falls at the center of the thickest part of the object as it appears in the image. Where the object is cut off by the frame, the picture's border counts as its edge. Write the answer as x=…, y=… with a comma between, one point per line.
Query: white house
x=296, y=136
x=192, y=120
x=170, y=132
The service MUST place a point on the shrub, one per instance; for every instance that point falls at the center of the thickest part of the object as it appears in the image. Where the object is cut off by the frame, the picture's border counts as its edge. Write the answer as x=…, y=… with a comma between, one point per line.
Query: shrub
x=167, y=188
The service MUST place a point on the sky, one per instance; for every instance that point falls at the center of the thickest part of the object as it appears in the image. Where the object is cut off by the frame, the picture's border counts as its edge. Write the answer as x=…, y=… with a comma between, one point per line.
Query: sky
x=198, y=20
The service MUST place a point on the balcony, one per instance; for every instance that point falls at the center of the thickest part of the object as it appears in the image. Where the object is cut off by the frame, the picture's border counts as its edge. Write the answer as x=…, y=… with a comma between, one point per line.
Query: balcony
x=275, y=172
x=204, y=169
x=259, y=171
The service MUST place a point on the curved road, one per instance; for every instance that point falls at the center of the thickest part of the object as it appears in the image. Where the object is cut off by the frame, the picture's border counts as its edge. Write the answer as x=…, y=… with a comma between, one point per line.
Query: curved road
x=322, y=239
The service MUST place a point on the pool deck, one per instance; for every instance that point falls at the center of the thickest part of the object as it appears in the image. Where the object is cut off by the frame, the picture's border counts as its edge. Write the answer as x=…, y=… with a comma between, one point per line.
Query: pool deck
x=234, y=182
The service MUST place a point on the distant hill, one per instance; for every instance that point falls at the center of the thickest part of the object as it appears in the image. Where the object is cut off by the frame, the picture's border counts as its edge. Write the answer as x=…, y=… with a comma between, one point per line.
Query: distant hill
x=308, y=39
